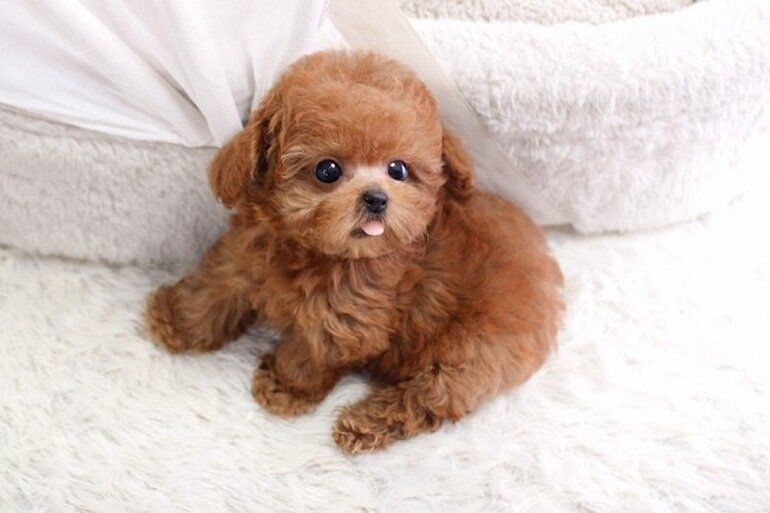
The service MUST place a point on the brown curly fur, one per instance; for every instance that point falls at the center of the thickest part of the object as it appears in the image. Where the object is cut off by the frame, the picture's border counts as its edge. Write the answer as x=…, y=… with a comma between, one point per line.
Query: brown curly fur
x=457, y=301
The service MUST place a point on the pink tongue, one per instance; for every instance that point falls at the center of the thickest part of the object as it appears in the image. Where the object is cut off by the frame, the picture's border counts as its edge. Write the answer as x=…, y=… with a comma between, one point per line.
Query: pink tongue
x=373, y=228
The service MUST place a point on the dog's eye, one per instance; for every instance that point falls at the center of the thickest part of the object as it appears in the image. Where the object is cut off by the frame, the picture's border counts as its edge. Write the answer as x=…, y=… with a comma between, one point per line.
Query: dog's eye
x=328, y=171
x=398, y=170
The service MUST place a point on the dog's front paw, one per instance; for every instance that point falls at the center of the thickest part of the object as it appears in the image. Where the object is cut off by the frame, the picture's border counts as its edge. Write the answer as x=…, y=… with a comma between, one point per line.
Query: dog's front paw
x=361, y=430
x=159, y=321
x=276, y=398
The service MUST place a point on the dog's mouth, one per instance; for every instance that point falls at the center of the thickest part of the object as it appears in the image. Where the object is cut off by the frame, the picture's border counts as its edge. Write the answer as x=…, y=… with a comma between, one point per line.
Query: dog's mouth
x=372, y=227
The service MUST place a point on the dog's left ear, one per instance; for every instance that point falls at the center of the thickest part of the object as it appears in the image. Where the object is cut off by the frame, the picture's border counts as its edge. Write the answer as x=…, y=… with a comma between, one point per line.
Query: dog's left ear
x=245, y=157
x=457, y=166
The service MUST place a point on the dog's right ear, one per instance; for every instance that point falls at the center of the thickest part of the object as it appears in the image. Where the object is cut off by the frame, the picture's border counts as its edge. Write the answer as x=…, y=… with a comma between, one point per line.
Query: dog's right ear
x=245, y=157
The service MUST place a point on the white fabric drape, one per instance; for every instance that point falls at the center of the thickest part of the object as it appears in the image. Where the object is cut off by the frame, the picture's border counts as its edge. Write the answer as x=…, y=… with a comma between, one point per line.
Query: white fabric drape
x=179, y=71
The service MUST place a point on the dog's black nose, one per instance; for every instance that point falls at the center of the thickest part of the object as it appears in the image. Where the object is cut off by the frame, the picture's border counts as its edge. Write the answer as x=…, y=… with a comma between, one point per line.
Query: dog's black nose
x=375, y=201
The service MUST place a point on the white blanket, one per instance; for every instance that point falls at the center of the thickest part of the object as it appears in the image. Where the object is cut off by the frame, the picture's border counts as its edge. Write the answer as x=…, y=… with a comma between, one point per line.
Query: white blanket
x=180, y=71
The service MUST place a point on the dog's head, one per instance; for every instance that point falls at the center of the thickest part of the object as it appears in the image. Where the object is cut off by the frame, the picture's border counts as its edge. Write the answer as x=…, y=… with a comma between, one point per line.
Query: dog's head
x=346, y=155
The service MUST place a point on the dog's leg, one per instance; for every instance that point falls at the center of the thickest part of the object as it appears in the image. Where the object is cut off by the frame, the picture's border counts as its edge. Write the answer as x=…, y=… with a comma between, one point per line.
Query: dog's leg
x=292, y=380
x=396, y=412
x=205, y=309
x=446, y=390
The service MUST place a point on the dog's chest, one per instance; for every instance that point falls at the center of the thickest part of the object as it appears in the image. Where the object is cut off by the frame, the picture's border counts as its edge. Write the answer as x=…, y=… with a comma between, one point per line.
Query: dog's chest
x=344, y=299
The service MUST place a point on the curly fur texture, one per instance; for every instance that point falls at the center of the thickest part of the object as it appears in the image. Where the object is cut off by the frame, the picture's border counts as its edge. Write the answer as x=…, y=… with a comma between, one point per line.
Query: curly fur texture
x=458, y=299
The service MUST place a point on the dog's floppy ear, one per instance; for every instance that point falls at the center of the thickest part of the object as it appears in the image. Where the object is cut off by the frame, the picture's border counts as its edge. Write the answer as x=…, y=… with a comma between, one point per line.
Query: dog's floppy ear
x=457, y=166
x=244, y=158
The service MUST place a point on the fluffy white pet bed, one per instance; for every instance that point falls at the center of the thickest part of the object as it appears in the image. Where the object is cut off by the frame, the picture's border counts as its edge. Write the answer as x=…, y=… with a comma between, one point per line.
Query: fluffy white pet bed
x=542, y=12
x=631, y=124
x=83, y=194
x=656, y=401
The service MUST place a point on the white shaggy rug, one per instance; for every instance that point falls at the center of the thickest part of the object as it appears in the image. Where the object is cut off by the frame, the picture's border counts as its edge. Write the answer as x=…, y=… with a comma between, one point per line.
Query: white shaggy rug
x=658, y=399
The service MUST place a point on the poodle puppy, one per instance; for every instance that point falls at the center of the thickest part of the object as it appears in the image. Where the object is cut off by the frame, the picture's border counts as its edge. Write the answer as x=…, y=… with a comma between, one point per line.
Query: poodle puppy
x=358, y=235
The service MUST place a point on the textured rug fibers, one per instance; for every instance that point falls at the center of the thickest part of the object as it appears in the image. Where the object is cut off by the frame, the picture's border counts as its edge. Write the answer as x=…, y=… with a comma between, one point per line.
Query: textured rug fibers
x=658, y=398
